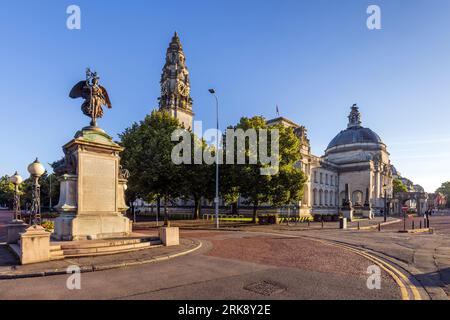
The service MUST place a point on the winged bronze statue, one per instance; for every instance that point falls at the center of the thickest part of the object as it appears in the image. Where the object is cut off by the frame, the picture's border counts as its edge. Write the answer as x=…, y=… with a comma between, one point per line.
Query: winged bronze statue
x=95, y=96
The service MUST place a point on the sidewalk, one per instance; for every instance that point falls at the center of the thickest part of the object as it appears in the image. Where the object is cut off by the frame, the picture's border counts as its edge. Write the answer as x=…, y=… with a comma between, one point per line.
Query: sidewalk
x=10, y=269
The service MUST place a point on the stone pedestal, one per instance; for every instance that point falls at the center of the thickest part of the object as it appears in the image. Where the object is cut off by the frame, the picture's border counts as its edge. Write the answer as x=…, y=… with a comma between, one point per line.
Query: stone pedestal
x=34, y=245
x=14, y=229
x=368, y=213
x=92, y=189
x=170, y=236
x=348, y=213
x=343, y=223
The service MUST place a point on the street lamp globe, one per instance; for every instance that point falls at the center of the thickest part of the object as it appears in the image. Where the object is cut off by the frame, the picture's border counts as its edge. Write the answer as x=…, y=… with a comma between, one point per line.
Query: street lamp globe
x=36, y=169
x=16, y=179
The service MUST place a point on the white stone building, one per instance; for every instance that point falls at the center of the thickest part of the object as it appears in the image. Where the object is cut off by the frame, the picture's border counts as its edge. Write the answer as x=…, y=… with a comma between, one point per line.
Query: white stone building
x=356, y=156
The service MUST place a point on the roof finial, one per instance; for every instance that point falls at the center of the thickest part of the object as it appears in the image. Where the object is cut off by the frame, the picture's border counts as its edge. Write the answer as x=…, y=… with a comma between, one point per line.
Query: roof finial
x=354, y=119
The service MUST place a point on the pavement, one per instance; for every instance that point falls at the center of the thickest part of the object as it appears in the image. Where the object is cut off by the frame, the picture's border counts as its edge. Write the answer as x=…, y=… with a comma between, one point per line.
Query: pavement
x=229, y=265
x=259, y=262
x=426, y=256
x=11, y=269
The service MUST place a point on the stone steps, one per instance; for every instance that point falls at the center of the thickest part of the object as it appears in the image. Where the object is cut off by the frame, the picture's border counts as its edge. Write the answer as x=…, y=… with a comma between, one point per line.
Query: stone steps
x=78, y=249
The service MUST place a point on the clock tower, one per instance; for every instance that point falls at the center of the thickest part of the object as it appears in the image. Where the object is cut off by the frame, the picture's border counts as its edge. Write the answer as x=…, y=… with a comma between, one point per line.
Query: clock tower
x=175, y=86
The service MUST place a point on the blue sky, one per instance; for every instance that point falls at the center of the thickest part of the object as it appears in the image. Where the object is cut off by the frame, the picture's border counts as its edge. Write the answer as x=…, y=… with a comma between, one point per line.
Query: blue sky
x=313, y=58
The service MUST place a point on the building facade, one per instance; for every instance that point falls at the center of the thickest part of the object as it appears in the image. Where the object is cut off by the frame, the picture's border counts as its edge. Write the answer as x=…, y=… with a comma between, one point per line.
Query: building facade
x=356, y=157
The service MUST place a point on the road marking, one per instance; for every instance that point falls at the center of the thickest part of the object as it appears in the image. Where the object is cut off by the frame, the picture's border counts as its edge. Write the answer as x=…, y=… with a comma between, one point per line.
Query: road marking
x=395, y=274
x=390, y=269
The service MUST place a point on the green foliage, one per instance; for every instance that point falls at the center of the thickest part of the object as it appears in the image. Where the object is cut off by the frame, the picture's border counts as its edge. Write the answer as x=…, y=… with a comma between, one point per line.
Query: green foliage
x=6, y=192
x=48, y=226
x=285, y=187
x=153, y=175
x=445, y=190
x=399, y=186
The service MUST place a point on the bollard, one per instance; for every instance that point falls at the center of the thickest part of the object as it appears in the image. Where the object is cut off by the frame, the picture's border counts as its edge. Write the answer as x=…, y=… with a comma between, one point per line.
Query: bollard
x=359, y=226
x=413, y=225
x=322, y=223
x=379, y=227
x=420, y=225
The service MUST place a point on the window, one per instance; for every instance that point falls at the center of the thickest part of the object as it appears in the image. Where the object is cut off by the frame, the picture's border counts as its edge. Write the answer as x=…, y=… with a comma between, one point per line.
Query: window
x=321, y=178
x=315, y=176
x=315, y=197
x=321, y=197
x=332, y=180
x=326, y=179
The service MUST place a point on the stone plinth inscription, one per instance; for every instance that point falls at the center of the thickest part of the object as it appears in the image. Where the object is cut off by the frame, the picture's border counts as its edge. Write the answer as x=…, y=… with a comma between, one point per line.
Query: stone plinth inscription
x=98, y=184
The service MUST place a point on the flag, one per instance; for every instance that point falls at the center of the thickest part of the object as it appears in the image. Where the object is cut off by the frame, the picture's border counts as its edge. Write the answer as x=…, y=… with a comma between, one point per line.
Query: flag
x=278, y=111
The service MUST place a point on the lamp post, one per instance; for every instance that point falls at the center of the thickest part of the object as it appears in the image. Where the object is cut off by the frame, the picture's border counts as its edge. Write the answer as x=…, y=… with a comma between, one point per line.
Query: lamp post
x=216, y=200
x=50, y=191
x=385, y=202
x=16, y=179
x=36, y=170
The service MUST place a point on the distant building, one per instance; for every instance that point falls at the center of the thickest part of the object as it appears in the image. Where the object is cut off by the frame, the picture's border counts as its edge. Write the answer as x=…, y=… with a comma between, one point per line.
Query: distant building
x=356, y=156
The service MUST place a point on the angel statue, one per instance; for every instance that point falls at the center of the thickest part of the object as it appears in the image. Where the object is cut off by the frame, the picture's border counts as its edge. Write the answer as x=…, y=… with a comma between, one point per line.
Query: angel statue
x=95, y=96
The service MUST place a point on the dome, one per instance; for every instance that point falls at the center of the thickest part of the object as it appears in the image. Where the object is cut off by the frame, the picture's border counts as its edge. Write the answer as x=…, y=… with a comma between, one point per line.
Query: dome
x=355, y=133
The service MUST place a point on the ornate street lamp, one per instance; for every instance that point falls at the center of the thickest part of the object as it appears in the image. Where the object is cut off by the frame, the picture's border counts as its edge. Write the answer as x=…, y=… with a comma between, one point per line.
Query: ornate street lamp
x=36, y=170
x=16, y=180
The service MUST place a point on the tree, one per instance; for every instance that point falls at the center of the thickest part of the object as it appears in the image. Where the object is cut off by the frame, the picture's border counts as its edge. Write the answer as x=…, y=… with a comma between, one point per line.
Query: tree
x=399, y=186
x=198, y=179
x=252, y=185
x=287, y=186
x=147, y=155
x=445, y=190
x=6, y=192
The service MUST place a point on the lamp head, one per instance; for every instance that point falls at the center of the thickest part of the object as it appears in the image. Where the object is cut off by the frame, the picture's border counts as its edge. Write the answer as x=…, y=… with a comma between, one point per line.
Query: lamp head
x=16, y=179
x=36, y=169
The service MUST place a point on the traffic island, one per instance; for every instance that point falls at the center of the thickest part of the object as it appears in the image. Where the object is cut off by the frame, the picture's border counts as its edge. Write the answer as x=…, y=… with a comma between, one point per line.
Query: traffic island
x=97, y=263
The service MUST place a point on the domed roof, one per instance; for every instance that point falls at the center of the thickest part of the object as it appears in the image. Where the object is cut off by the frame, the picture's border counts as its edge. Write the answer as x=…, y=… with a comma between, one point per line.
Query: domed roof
x=355, y=133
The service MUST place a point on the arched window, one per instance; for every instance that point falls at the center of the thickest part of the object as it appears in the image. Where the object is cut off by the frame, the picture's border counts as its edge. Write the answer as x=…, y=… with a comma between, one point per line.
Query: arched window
x=321, y=197
x=331, y=199
x=326, y=198
x=315, y=197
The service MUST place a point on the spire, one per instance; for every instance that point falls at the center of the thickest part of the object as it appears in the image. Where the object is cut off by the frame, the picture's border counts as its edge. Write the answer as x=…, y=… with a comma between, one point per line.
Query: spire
x=354, y=119
x=175, y=84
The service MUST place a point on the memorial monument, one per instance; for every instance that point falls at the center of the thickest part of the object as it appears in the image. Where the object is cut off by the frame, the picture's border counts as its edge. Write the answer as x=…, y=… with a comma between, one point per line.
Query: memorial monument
x=347, y=205
x=93, y=184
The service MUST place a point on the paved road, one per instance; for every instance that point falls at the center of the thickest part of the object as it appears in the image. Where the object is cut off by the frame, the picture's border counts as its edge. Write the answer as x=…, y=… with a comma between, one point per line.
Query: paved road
x=230, y=265
x=426, y=256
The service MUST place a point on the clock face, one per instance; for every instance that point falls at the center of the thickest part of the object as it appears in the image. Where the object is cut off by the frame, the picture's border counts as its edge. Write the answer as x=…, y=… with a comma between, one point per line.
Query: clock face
x=183, y=89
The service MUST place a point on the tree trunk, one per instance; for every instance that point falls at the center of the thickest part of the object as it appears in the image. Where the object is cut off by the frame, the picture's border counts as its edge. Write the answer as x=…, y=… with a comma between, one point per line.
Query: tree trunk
x=166, y=216
x=196, y=209
x=234, y=208
x=158, y=208
x=255, y=211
